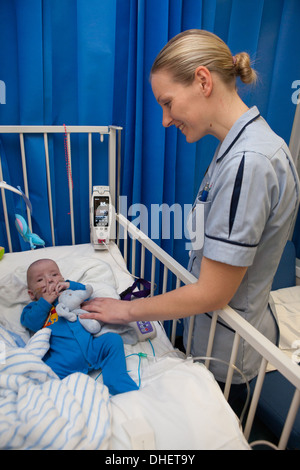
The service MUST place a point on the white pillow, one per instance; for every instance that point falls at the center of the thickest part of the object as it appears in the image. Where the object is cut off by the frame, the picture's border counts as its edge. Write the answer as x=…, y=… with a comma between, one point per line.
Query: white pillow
x=287, y=303
x=78, y=263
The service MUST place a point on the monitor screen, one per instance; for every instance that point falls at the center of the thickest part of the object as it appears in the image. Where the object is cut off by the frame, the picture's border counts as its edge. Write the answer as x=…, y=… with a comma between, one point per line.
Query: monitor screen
x=101, y=208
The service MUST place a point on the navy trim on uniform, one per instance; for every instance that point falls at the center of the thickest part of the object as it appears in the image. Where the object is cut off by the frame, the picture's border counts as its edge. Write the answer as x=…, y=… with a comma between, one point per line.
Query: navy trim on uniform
x=236, y=193
x=237, y=137
x=232, y=242
x=220, y=323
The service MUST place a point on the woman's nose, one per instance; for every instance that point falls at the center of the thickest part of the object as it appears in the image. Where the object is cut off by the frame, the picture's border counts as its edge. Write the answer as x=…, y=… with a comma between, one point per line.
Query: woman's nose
x=167, y=121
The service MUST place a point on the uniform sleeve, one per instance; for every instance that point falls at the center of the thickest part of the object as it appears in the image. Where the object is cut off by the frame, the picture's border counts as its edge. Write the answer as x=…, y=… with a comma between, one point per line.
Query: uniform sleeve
x=242, y=199
x=35, y=314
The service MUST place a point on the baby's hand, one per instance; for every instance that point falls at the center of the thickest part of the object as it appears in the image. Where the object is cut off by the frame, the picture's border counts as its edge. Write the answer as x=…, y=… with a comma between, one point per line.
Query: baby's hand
x=53, y=290
x=62, y=285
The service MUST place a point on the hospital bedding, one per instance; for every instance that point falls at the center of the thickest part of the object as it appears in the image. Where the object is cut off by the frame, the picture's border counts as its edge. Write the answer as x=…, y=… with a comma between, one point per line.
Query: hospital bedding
x=287, y=303
x=277, y=392
x=178, y=406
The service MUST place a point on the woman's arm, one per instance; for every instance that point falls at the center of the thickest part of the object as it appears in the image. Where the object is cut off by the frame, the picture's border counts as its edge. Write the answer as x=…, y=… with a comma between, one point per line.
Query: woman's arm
x=215, y=287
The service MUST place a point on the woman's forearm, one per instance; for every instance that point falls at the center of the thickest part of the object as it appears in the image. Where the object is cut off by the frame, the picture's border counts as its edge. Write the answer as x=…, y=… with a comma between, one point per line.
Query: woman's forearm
x=214, y=289
x=179, y=303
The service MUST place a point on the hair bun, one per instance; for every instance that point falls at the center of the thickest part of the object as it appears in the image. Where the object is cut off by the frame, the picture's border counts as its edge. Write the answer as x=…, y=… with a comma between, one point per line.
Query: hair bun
x=243, y=68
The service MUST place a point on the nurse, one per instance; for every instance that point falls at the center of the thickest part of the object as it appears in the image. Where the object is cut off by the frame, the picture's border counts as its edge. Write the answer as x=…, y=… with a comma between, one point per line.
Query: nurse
x=249, y=204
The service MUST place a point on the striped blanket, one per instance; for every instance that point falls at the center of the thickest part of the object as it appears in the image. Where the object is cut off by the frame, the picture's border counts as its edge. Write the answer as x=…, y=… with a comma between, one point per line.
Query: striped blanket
x=40, y=411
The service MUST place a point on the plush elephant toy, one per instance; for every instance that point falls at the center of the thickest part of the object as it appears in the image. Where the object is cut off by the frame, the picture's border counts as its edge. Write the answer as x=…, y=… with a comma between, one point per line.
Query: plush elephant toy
x=68, y=307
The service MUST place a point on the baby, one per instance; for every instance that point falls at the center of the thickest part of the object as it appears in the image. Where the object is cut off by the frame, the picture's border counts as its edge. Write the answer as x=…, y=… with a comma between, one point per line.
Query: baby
x=72, y=348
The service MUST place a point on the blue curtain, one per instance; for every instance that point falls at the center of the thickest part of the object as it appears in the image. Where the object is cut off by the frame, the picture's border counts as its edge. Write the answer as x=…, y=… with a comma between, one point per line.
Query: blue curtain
x=88, y=62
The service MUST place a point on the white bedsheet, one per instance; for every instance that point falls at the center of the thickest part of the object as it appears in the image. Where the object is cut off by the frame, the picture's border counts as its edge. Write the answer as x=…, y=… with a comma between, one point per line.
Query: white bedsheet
x=40, y=411
x=104, y=270
x=287, y=303
x=178, y=407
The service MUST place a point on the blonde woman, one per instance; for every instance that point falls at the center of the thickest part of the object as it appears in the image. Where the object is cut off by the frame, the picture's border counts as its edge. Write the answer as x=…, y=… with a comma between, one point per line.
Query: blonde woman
x=249, y=198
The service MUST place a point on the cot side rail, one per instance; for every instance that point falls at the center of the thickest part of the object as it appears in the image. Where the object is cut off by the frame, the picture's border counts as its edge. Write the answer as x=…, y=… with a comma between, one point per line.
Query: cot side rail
x=268, y=351
x=114, y=156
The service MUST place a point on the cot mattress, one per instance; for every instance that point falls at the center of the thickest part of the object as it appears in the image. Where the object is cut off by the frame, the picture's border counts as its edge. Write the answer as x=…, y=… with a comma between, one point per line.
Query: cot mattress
x=178, y=405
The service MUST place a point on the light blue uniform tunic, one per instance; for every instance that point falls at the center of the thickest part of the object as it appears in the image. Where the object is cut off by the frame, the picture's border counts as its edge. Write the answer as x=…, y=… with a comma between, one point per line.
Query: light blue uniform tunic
x=248, y=216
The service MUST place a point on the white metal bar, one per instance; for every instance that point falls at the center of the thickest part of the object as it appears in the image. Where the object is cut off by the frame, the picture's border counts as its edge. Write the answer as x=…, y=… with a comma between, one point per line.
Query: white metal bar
x=119, y=171
x=211, y=337
x=112, y=165
x=174, y=323
x=165, y=280
x=23, y=157
x=49, y=186
x=54, y=129
x=90, y=166
x=255, y=398
x=90, y=171
x=165, y=283
x=173, y=333
x=70, y=184
x=125, y=240
x=133, y=256
x=152, y=275
x=5, y=211
x=190, y=336
x=234, y=352
x=142, y=271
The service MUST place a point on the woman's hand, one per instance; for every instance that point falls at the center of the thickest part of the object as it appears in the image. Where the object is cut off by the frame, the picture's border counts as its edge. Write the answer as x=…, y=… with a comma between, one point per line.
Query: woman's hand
x=107, y=310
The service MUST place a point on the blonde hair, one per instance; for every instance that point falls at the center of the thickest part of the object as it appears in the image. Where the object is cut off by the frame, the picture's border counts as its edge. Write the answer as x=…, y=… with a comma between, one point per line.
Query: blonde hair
x=192, y=48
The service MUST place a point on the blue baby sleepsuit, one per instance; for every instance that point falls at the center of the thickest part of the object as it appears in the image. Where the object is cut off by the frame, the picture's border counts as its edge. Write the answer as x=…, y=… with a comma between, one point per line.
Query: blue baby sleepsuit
x=73, y=349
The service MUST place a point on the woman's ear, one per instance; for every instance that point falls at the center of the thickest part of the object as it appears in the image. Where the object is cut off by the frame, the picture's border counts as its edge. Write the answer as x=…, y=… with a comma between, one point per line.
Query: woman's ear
x=203, y=78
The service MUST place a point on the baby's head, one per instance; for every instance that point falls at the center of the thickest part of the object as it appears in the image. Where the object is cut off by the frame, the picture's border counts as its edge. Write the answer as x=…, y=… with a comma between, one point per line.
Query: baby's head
x=40, y=274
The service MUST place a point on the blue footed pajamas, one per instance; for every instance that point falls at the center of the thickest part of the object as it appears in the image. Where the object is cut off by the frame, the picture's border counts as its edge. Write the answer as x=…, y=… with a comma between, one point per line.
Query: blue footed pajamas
x=73, y=349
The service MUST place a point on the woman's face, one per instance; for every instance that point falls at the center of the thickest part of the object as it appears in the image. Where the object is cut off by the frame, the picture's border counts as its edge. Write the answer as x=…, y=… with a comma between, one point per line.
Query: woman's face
x=184, y=106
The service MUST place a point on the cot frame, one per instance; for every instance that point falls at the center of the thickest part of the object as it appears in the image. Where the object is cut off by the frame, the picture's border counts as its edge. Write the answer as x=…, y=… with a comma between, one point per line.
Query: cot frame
x=132, y=236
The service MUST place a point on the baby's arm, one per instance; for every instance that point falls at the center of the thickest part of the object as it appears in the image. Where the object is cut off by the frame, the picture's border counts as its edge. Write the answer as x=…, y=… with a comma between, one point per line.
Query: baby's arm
x=35, y=314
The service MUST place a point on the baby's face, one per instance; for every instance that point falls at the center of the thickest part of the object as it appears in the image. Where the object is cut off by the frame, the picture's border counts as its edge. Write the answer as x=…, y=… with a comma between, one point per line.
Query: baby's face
x=41, y=275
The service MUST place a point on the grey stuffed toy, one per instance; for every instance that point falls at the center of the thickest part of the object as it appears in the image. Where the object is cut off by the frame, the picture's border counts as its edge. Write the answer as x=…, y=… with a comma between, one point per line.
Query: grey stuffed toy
x=68, y=307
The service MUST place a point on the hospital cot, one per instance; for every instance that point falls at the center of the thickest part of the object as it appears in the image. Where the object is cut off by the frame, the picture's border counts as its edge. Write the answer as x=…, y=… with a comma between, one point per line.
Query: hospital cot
x=179, y=405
